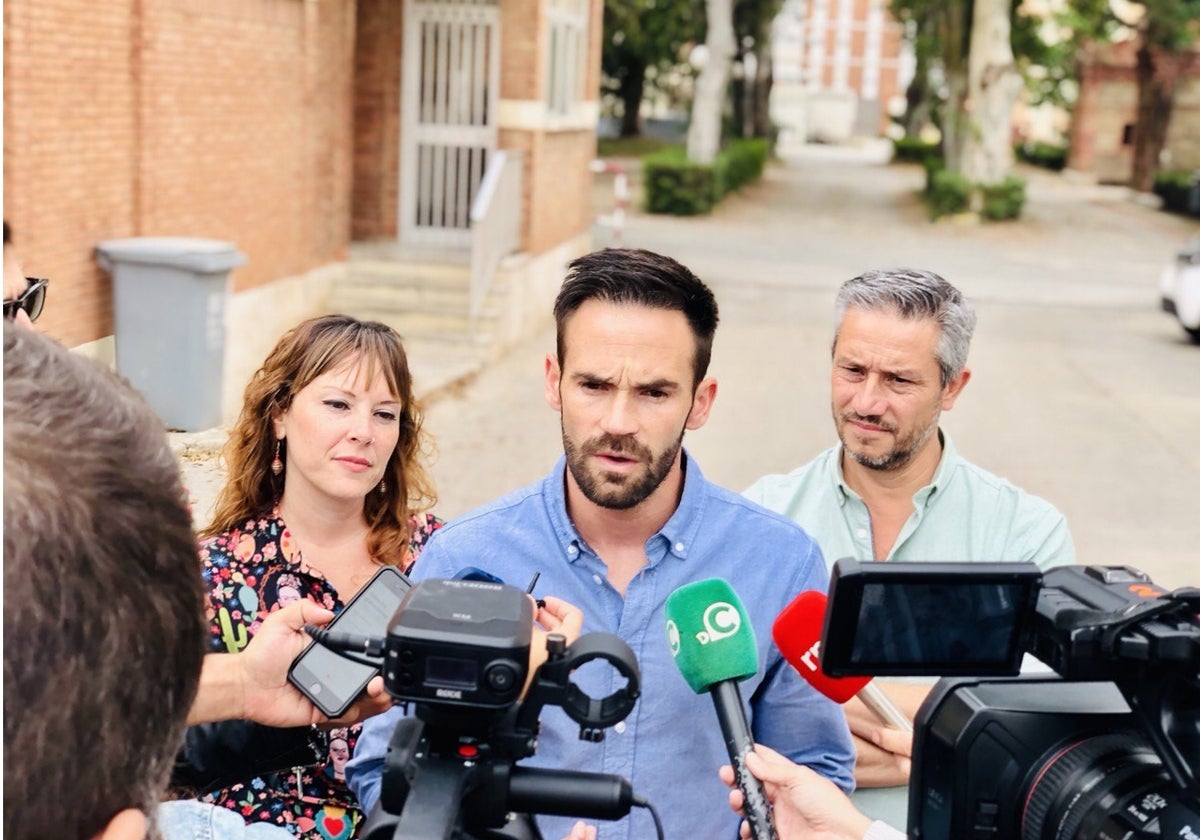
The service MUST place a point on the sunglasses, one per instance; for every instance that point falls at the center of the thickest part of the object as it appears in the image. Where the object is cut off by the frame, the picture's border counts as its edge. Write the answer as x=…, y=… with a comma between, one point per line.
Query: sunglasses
x=31, y=300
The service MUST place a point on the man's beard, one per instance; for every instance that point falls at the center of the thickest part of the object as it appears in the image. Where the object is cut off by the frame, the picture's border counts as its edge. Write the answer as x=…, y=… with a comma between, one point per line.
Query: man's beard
x=617, y=491
x=898, y=455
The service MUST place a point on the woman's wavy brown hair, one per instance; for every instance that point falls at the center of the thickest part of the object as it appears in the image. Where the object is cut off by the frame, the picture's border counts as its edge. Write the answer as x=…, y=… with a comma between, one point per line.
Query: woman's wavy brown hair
x=310, y=349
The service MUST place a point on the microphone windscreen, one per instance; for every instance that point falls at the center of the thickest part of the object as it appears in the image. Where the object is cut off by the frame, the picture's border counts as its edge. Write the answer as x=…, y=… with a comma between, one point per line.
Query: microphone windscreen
x=476, y=574
x=710, y=634
x=797, y=634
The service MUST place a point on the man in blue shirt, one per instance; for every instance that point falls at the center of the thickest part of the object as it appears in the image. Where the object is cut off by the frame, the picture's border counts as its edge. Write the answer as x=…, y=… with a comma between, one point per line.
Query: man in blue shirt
x=623, y=520
x=895, y=487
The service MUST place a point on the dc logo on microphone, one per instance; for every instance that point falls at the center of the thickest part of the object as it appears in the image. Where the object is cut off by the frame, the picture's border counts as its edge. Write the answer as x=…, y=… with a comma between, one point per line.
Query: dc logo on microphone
x=720, y=620
x=673, y=637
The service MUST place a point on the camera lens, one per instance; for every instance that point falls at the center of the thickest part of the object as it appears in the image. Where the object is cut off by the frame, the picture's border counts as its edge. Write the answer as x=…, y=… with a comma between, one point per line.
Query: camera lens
x=1091, y=788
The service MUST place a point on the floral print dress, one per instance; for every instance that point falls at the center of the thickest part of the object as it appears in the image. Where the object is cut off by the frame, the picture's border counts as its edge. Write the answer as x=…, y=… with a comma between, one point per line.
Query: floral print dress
x=252, y=571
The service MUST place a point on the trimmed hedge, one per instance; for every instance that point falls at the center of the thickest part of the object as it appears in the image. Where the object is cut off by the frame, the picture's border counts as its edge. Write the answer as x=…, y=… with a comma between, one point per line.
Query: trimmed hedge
x=948, y=193
x=1004, y=200
x=677, y=186
x=913, y=150
x=1179, y=190
x=1046, y=155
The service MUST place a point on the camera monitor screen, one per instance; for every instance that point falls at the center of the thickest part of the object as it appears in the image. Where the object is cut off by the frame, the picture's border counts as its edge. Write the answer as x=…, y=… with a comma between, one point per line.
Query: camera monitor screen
x=928, y=619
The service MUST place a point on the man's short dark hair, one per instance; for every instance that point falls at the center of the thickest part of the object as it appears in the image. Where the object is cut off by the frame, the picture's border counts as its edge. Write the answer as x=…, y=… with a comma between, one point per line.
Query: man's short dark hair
x=643, y=278
x=104, y=629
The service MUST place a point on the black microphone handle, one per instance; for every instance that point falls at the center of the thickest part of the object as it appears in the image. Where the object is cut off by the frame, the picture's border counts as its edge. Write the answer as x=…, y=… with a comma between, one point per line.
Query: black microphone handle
x=738, y=741
x=569, y=793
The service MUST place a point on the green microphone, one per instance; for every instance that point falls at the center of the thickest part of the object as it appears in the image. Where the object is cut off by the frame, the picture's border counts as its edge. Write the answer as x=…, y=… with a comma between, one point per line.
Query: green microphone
x=713, y=644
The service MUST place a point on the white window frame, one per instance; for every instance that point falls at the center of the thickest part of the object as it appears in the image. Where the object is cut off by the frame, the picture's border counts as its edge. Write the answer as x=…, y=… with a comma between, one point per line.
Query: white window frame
x=566, y=57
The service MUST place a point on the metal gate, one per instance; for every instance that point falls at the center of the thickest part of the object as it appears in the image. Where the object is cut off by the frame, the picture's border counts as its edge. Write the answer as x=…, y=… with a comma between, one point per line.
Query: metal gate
x=449, y=88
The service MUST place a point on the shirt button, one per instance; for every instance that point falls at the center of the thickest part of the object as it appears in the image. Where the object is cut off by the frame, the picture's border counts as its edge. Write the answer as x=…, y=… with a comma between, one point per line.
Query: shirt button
x=572, y=550
x=619, y=727
x=679, y=546
x=599, y=580
x=861, y=533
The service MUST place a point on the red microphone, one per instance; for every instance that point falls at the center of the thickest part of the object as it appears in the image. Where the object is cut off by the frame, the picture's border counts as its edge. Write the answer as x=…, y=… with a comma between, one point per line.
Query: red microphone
x=797, y=634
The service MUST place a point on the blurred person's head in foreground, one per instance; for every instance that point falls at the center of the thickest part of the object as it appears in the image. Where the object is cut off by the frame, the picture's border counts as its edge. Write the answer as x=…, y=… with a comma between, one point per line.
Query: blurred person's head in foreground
x=103, y=618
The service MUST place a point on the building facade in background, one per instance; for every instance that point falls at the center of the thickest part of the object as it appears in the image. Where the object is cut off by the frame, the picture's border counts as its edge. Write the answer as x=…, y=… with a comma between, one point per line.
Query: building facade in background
x=1101, y=133
x=295, y=129
x=838, y=66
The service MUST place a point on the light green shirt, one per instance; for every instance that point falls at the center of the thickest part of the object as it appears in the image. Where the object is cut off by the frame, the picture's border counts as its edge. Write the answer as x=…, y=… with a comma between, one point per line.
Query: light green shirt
x=965, y=514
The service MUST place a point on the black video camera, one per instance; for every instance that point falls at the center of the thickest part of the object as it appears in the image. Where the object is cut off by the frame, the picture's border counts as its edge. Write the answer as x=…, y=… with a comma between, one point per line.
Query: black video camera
x=1107, y=748
x=457, y=652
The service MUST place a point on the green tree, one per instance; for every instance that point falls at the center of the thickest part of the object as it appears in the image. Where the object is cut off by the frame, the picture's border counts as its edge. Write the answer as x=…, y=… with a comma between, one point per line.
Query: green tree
x=1167, y=30
x=643, y=39
x=941, y=33
x=752, y=24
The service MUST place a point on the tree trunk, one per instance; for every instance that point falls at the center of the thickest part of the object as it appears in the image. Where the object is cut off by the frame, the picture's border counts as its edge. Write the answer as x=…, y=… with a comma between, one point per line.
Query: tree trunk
x=633, y=83
x=1157, y=71
x=704, y=132
x=917, y=105
x=743, y=109
x=764, y=79
x=993, y=84
x=954, y=119
x=953, y=35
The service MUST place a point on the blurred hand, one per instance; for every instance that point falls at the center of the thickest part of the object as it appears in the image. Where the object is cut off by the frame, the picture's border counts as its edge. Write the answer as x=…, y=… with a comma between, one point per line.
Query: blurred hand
x=884, y=754
x=581, y=831
x=807, y=806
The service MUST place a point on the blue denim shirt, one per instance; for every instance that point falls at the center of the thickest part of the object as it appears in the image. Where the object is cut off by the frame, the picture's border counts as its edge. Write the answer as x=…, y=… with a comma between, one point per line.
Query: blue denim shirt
x=187, y=819
x=670, y=746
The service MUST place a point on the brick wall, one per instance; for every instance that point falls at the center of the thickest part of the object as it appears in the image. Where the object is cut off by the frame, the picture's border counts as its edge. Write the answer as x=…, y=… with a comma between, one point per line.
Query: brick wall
x=220, y=118
x=377, y=119
x=1108, y=103
x=522, y=35
x=558, y=182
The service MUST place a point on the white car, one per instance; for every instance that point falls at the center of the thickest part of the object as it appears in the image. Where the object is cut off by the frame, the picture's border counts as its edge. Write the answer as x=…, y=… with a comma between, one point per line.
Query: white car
x=1180, y=288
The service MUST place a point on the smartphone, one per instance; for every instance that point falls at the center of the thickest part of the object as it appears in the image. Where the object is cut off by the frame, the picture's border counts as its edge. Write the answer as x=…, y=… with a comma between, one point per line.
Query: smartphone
x=328, y=679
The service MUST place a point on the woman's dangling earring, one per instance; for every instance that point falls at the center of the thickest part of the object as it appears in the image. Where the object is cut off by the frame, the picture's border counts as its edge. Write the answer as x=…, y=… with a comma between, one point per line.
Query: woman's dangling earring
x=277, y=464
x=382, y=486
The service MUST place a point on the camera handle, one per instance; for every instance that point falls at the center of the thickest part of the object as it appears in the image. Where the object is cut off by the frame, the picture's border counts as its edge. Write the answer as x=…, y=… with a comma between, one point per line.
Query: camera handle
x=1163, y=696
x=434, y=785
x=552, y=685
x=1165, y=703
x=430, y=774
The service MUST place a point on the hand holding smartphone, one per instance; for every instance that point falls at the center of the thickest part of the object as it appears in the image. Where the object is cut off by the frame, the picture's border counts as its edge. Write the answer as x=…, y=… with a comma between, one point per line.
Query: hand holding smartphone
x=328, y=679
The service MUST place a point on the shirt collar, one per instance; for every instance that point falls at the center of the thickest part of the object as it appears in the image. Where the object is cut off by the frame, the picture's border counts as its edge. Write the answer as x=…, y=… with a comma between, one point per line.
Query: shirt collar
x=679, y=532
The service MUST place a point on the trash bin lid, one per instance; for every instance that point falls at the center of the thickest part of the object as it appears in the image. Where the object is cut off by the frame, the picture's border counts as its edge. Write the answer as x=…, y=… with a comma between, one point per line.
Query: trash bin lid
x=204, y=256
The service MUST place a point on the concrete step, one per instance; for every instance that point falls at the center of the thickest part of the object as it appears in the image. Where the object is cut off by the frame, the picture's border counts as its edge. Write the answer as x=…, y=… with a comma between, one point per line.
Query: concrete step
x=448, y=329
x=440, y=366
x=354, y=295
x=422, y=298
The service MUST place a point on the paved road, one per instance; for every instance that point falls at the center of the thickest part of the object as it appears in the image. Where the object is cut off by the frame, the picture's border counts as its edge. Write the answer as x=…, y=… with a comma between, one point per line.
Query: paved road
x=1082, y=392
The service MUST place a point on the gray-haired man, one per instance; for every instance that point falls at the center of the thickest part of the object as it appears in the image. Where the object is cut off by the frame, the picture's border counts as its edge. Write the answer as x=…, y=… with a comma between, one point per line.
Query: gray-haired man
x=895, y=488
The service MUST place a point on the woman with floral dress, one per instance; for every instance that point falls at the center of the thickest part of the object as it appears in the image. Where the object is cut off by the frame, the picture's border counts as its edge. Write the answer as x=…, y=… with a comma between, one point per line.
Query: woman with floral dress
x=325, y=485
